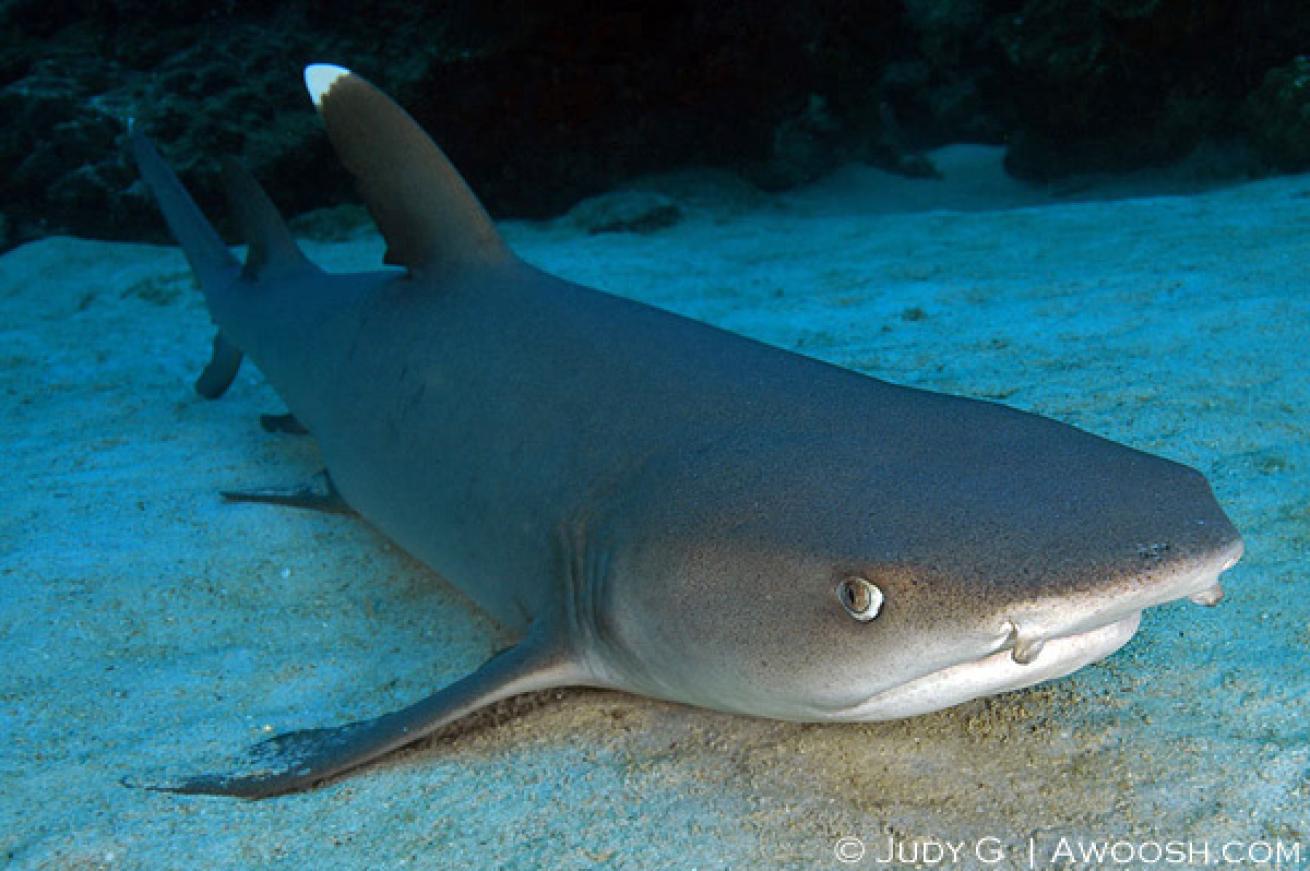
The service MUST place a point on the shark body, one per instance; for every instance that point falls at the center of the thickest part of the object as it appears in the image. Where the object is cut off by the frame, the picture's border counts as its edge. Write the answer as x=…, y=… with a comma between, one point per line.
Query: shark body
x=655, y=505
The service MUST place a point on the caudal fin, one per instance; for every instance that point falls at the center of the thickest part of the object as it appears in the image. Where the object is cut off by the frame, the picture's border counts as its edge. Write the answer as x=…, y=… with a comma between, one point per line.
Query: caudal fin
x=211, y=261
x=209, y=258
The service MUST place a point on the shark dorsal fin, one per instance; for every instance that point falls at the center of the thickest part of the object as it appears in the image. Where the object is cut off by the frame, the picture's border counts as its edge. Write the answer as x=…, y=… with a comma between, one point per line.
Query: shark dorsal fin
x=429, y=217
x=273, y=252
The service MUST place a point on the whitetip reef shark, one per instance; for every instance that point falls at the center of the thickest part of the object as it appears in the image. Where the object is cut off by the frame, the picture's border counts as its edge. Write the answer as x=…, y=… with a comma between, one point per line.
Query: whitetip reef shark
x=655, y=505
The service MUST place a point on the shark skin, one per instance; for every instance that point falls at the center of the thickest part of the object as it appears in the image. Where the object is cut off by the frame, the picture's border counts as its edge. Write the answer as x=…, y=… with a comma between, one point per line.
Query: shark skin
x=658, y=506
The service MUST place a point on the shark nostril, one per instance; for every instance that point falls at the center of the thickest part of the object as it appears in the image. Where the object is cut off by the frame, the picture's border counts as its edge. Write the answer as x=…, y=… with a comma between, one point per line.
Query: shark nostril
x=1214, y=593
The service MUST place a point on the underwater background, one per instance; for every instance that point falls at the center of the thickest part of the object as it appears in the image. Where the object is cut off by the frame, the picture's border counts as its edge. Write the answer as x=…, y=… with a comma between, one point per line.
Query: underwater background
x=1089, y=210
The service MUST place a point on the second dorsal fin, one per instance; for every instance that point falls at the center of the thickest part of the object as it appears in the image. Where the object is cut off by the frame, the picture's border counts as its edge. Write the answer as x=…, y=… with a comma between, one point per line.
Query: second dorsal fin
x=429, y=217
x=273, y=252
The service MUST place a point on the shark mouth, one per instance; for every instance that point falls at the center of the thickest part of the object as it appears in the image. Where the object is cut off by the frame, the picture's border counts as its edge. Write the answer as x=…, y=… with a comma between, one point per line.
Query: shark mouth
x=1026, y=656
x=997, y=672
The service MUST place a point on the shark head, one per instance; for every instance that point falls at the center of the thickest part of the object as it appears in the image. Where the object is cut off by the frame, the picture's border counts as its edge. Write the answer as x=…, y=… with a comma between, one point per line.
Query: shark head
x=910, y=564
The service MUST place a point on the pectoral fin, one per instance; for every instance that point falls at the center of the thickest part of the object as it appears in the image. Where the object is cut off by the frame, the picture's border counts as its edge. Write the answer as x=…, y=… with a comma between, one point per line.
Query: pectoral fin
x=298, y=760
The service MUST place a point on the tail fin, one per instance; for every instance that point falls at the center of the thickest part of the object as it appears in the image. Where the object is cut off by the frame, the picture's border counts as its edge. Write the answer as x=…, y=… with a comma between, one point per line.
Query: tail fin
x=209, y=258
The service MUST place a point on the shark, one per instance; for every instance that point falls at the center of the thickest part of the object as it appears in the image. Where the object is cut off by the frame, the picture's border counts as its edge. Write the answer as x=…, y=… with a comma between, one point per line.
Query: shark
x=654, y=505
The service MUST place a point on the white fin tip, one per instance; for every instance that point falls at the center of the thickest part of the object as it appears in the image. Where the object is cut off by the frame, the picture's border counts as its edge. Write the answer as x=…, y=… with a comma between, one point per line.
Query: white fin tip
x=319, y=79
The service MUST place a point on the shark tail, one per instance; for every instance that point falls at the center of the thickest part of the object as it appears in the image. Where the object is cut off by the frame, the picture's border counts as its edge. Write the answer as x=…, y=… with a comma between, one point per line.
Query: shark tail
x=272, y=250
x=210, y=260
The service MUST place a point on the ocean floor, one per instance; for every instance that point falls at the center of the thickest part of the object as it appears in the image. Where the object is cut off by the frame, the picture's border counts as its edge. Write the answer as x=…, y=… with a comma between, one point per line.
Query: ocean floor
x=147, y=629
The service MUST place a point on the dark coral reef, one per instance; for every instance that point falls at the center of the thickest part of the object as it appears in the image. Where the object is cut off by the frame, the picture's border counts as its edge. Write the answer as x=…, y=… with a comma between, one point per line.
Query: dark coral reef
x=545, y=102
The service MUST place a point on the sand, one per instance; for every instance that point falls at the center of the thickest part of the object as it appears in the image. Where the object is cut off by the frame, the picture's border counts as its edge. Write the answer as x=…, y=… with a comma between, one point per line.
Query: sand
x=148, y=630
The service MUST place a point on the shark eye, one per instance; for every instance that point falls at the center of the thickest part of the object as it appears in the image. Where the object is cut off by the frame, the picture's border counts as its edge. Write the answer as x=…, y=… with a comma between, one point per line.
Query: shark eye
x=862, y=599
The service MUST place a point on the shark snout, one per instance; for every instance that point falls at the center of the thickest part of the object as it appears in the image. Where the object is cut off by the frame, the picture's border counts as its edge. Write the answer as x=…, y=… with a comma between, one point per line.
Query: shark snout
x=1029, y=627
x=1227, y=557
x=1031, y=640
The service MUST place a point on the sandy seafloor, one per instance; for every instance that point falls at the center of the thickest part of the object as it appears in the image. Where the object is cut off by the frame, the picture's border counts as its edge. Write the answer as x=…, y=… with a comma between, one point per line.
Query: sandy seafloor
x=147, y=629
